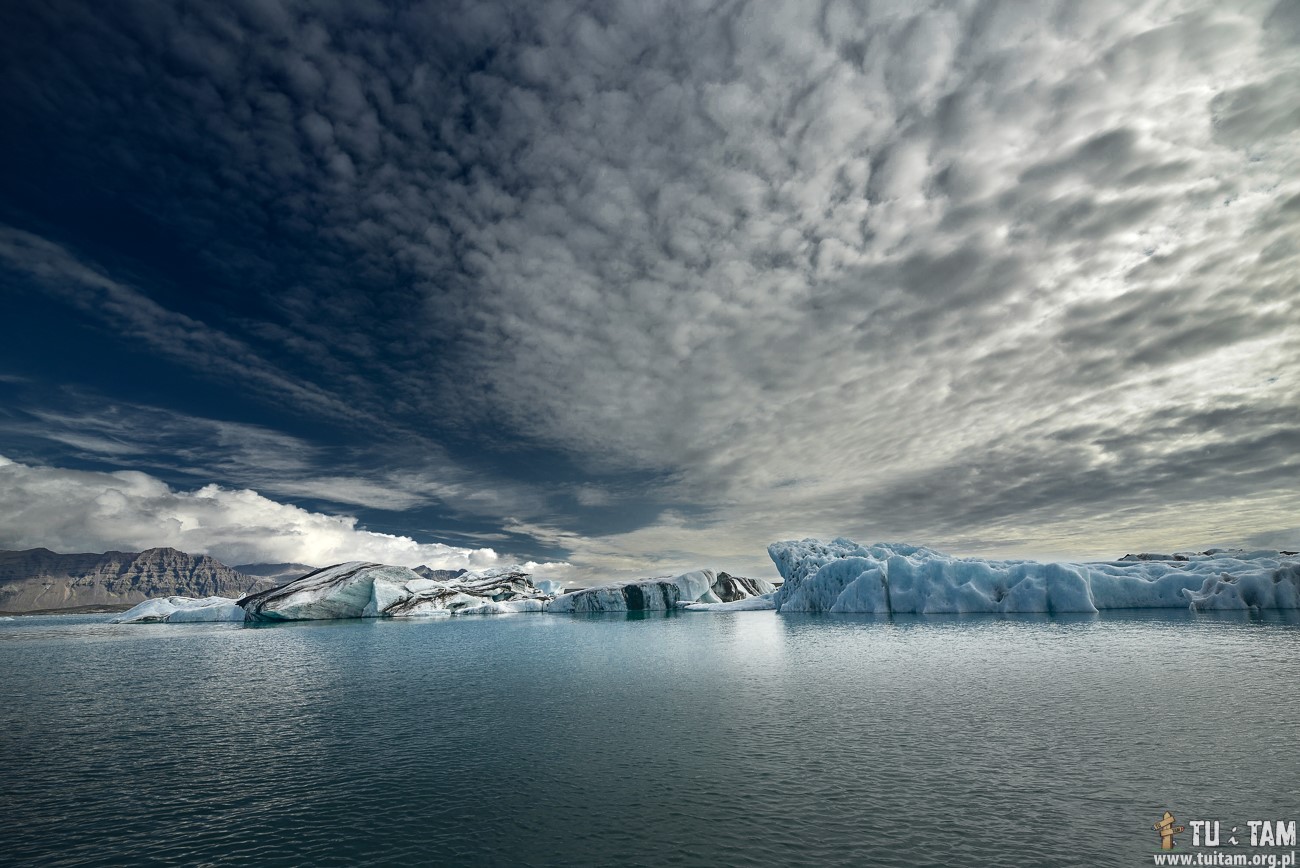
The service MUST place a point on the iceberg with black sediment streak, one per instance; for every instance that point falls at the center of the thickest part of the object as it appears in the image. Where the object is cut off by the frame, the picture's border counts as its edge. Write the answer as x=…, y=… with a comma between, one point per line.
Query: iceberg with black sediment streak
x=367, y=590
x=496, y=591
x=732, y=589
x=896, y=578
x=735, y=594
x=642, y=595
x=179, y=610
x=339, y=591
x=744, y=604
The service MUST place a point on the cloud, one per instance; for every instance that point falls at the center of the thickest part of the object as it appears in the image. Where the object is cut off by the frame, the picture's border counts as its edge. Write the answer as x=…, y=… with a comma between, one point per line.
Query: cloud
x=173, y=334
x=152, y=439
x=71, y=510
x=948, y=271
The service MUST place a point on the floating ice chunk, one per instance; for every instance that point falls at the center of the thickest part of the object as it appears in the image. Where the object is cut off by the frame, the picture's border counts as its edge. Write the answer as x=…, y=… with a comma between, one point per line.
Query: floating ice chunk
x=499, y=583
x=550, y=587
x=499, y=607
x=843, y=576
x=434, y=602
x=604, y=598
x=388, y=588
x=498, y=591
x=1266, y=588
x=341, y=591
x=745, y=604
x=728, y=588
x=366, y=590
x=643, y=595
x=176, y=610
x=453, y=602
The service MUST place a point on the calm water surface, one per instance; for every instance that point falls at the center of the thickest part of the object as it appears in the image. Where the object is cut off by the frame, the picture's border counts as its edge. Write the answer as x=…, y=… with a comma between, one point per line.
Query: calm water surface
x=687, y=739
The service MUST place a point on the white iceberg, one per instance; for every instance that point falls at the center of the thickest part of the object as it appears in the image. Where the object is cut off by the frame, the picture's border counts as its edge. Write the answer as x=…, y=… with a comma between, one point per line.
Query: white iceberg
x=642, y=595
x=464, y=604
x=367, y=590
x=745, y=604
x=339, y=591
x=735, y=594
x=551, y=587
x=177, y=610
x=890, y=578
x=495, y=591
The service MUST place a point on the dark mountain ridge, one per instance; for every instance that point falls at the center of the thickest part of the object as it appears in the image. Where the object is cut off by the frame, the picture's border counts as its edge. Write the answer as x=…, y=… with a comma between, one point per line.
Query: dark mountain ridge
x=39, y=580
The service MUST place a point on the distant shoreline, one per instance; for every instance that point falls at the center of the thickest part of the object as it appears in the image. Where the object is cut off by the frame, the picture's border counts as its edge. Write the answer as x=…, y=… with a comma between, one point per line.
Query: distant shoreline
x=94, y=609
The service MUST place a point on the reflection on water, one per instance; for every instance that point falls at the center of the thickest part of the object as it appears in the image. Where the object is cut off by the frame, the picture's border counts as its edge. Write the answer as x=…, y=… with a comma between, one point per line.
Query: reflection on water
x=749, y=738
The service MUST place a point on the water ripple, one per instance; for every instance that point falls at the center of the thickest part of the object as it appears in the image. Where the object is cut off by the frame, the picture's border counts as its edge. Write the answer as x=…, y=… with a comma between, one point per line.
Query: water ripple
x=751, y=739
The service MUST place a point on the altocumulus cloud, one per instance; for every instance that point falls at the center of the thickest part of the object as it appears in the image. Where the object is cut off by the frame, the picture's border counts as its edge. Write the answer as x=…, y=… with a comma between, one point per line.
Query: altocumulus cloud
x=988, y=275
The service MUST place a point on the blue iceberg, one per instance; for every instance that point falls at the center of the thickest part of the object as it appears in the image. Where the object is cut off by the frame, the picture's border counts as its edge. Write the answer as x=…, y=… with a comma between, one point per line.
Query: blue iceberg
x=897, y=578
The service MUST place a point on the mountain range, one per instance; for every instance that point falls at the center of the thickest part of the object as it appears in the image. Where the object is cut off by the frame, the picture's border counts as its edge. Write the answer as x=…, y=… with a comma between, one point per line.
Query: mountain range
x=39, y=580
x=279, y=574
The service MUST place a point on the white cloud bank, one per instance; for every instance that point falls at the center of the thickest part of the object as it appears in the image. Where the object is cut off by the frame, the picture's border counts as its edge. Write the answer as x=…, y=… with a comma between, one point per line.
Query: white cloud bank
x=76, y=510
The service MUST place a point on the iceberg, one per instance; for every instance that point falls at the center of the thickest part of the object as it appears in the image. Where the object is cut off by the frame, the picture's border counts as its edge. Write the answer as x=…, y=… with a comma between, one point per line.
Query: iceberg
x=735, y=594
x=896, y=578
x=367, y=590
x=496, y=591
x=642, y=595
x=745, y=604
x=359, y=589
x=177, y=610
x=340, y=591
x=552, y=587
x=729, y=589
x=1249, y=589
x=835, y=576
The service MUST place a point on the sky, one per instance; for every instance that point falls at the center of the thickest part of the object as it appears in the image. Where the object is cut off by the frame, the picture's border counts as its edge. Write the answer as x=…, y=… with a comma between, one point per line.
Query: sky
x=631, y=287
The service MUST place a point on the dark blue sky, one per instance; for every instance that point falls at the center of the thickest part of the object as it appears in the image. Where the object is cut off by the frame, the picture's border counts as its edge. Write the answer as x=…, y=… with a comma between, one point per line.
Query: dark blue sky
x=638, y=286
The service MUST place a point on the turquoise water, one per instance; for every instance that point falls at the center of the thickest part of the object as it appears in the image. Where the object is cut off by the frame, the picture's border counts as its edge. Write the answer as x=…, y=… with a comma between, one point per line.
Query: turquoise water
x=681, y=739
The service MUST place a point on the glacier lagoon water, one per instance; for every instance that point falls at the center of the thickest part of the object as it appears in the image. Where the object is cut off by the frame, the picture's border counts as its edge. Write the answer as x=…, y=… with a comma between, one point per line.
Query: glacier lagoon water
x=681, y=739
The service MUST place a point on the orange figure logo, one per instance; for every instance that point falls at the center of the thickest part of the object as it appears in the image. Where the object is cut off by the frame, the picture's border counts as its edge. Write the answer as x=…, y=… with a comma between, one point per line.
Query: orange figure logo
x=1166, y=830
